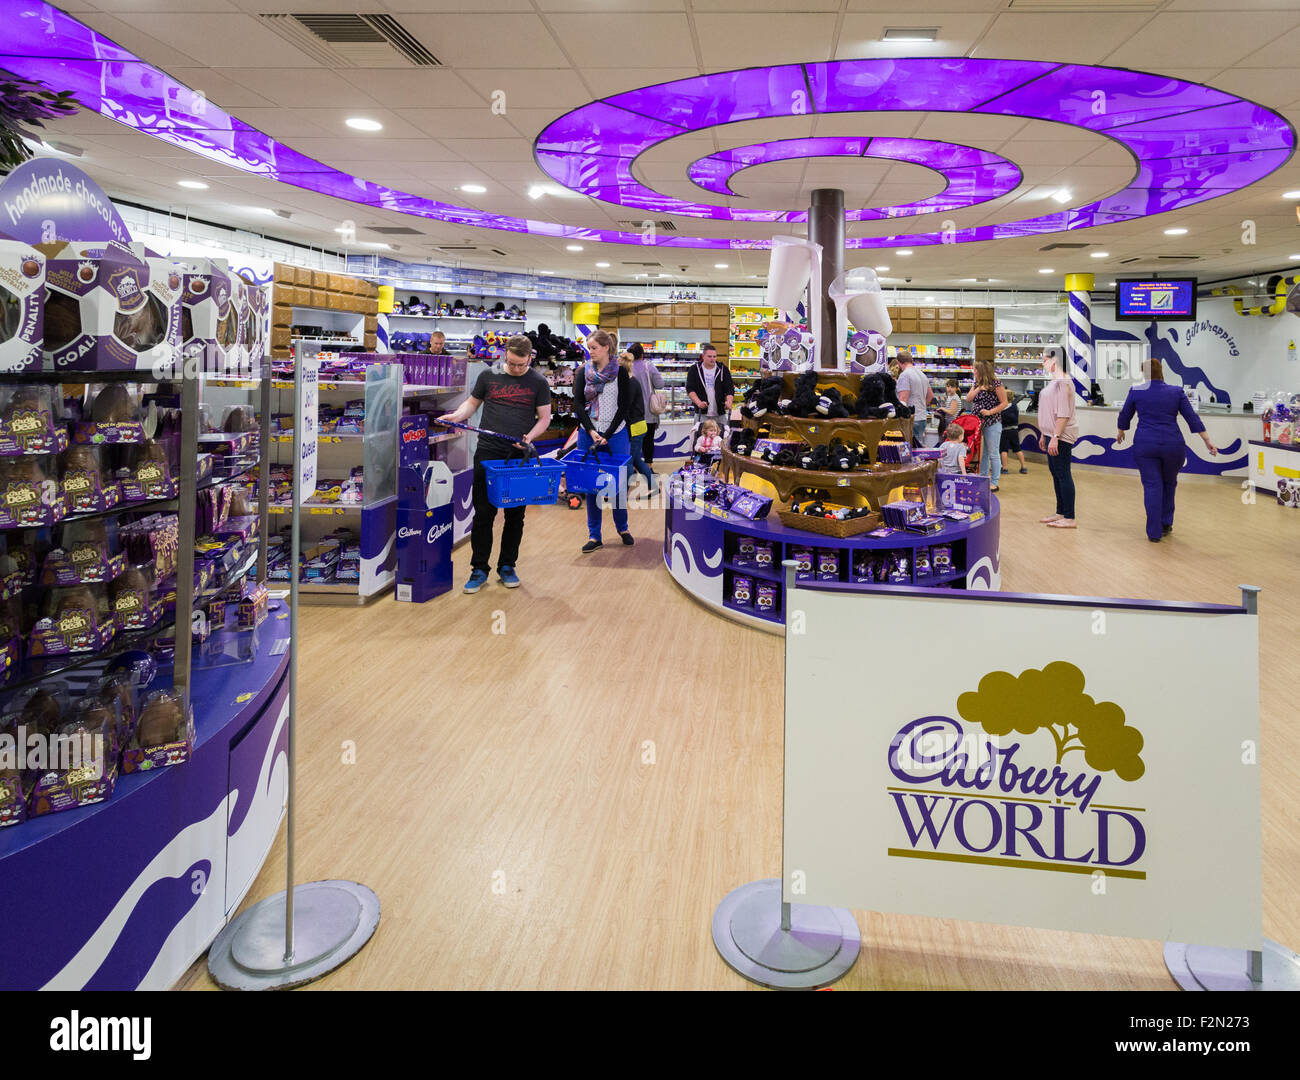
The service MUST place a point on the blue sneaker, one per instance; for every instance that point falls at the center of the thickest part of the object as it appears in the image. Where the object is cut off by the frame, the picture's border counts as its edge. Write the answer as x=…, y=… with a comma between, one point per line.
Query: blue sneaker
x=508, y=577
x=476, y=581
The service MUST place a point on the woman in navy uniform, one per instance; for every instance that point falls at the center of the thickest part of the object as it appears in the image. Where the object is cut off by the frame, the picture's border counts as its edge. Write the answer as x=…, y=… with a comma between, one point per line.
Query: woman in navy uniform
x=1158, y=445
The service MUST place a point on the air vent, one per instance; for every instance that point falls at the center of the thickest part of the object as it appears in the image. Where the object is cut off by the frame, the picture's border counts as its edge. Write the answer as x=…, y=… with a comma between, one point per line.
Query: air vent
x=360, y=41
x=1086, y=7
x=393, y=230
x=1064, y=247
x=460, y=248
x=662, y=226
x=1177, y=258
x=643, y=264
x=1125, y=262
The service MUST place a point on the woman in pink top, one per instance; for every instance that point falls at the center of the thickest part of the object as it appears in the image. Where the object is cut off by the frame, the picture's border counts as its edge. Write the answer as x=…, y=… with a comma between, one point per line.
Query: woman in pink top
x=1058, y=432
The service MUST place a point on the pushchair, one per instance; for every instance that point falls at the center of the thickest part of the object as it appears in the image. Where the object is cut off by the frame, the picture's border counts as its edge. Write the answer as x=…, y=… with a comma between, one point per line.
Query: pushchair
x=714, y=456
x=970, y=424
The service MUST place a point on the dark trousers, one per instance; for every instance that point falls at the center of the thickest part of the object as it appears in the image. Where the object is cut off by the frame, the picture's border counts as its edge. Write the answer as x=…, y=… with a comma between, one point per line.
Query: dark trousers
x=480, y=535
x=1158, y=466
x=1058, y=465
x=648, y=444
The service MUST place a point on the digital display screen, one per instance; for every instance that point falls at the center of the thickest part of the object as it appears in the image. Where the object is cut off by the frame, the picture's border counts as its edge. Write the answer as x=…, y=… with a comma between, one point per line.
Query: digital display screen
x=1165, y=298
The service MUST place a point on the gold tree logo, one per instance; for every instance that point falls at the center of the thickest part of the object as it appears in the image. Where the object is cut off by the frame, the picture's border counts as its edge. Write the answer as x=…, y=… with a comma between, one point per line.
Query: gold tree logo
x=1053, y=700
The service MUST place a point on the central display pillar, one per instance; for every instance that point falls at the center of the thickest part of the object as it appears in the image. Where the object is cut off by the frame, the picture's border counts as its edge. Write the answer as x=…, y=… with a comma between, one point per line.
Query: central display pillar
x=826, y=227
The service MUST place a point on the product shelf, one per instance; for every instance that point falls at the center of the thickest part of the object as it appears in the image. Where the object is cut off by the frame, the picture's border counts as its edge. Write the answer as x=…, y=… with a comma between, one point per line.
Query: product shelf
x=767, y=573
x=36, y=669
x=459, y=318
x=89, y=515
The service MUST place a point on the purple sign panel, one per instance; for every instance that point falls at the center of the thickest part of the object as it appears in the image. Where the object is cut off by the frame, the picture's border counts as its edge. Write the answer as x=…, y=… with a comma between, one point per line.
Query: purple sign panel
x=46, y=201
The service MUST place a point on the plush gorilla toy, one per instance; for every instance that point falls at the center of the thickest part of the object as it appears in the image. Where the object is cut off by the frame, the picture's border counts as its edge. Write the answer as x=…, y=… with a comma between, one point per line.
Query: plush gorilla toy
x=762, y=397
x=804, y=402
x=878, y=398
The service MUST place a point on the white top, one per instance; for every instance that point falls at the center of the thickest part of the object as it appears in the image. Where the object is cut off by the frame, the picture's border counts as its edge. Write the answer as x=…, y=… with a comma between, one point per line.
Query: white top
x=602, y=410
x=710, y=380
x=917, y=385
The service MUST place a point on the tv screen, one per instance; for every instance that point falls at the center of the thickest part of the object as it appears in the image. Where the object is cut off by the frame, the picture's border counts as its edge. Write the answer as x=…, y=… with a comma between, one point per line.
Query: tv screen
x=1155, y=298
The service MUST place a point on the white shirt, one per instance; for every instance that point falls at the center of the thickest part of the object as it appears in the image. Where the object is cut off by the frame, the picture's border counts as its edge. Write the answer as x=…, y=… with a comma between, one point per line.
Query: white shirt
x=710, y=379
x=916, y=383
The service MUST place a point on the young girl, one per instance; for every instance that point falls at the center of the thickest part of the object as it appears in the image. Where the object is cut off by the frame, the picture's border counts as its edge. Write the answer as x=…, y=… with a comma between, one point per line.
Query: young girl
x=709, y=444
x=951, y=407
x=952, y=458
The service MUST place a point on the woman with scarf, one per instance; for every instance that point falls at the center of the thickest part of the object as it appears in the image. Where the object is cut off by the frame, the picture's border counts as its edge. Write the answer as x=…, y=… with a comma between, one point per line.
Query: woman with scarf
x=602, y=396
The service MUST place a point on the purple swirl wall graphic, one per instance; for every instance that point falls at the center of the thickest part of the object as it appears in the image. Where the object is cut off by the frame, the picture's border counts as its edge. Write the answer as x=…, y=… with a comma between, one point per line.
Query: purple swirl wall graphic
x=1189, y=142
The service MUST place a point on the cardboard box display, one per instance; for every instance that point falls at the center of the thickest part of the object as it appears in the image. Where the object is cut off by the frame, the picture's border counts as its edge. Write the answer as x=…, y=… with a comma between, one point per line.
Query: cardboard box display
x=27, y=421
x=22, y=303
x=110, y=307
x=210, y=318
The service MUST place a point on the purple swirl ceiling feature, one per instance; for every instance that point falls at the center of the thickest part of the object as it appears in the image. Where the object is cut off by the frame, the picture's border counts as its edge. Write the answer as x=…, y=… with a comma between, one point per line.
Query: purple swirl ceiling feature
x=1189, y=143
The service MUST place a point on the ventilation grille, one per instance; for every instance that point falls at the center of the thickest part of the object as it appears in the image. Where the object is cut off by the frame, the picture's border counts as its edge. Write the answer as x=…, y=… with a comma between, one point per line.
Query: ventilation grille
x=643, y=264
x=1177, y=258
x=1125, y=262
x=1064, y=247
x=662, y=226
x=1086, y=7
x=462, y=248
x=393, y=230
x=362, y=41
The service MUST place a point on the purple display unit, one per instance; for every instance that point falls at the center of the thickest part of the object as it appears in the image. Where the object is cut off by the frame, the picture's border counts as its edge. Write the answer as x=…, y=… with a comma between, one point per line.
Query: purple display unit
x=700, y=552
x=128, y=893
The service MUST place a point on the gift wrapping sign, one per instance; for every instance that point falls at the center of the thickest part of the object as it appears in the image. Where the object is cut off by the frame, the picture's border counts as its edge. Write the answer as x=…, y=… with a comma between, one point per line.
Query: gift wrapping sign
x=1095, y=771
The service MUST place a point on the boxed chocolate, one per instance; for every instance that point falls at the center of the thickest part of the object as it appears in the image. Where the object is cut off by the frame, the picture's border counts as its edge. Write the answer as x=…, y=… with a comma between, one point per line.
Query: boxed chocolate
x=252, y=606
x=134, y=605
x=863, y=568
x=113, y=417
x=87, y=554
x=86, y=487
x=903, y=512
x=764, y=553
x=29, y=492
x=766, y=597
x=110, y=307
x=210, y=317
x=828, y=564
x=22, y=302
x=941, y=559
x=745, y=551
x=77, y=619
x=27, y=421
x=82, y=764
x=804, y=558
x=164, y=735
x=921, y=559
x=148, y=473
x=742, y=590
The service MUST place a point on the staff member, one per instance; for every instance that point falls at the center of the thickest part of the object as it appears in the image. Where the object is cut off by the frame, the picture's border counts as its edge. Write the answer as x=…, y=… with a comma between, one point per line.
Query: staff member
x=710, y=387
x=1158, y=444
x=516, y=402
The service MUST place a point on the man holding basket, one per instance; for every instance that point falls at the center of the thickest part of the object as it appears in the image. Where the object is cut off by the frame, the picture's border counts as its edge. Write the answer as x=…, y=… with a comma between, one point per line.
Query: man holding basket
x=516, y=402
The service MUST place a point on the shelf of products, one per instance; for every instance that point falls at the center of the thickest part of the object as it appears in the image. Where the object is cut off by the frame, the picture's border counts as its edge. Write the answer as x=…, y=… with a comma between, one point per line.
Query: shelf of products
x=747, y=331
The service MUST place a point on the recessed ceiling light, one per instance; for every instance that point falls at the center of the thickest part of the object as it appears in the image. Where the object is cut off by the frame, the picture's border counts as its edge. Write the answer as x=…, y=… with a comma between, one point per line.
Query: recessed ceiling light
x=1099, y=254
x=905, y=251
x=472, y=189
x=1293, y=258
x=910, y=33
x=664, y=275
x=572, y=247
x=602, y=265
x=1046, y=270
x=548, y=272
x=1175, y=232
x=536, y=191
x=264, y=211
x=193, y=185
x=882, y=269
x=361, y=123
x=721, y=266
x=1062, y=196
x=1291, y=194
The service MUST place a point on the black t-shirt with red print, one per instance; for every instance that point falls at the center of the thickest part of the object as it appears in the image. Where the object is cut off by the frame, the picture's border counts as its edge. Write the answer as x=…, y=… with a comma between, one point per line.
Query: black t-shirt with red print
x=510, y=404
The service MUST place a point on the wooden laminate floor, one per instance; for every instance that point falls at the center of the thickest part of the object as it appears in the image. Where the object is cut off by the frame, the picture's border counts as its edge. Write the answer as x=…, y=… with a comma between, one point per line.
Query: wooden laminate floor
x=500, y=806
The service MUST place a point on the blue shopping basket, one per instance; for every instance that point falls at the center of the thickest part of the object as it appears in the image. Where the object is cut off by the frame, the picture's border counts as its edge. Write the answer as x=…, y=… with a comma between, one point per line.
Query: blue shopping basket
x=527, y=481
x=595, y=470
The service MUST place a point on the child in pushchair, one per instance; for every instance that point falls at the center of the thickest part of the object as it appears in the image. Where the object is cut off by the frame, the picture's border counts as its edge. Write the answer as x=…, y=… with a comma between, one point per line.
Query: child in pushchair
x=708, y=447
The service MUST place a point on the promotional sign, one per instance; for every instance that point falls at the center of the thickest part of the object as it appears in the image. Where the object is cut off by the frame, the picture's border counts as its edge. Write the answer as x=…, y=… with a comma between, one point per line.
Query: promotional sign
x=1100, y=775
x=964, y=492
x=304, y=418
x=47, y=201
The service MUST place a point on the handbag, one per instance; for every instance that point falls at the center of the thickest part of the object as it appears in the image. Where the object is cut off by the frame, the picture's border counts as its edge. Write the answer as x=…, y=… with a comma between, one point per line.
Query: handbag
x=639, y=428
x=658, y=402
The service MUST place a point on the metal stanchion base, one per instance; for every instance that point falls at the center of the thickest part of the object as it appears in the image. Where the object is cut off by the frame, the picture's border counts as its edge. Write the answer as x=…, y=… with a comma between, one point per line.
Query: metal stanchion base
x=1203, y=967
x=332, y=921
x=820, y=946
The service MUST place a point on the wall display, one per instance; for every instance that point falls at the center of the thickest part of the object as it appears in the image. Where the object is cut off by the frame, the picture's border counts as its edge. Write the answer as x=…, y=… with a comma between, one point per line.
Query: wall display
x=1163, y=299
x=957, y=794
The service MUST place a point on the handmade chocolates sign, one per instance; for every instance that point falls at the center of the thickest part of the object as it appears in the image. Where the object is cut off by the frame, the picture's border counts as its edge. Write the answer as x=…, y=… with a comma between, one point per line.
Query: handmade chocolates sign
x=1079, y=784
x=46, y=201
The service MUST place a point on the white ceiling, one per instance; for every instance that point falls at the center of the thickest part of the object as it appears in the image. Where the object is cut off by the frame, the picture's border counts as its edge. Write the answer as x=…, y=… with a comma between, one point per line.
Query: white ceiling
x=549, y=56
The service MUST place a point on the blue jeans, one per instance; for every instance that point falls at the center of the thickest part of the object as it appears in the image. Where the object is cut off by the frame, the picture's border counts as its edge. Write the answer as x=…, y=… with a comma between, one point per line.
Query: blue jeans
x=990, y=455
x=618, y=444
x=1158, y=466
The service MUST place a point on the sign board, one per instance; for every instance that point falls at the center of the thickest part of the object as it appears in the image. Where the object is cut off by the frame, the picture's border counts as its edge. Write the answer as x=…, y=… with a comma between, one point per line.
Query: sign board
x=1095, y=772
x=47, y=201
x=967, y=492
x=305, y=419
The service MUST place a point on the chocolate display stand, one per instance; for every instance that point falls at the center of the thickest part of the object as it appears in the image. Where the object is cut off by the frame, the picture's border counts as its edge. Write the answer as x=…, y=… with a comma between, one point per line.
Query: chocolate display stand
x=298, y=935
x=816, y=431
x=872, y=484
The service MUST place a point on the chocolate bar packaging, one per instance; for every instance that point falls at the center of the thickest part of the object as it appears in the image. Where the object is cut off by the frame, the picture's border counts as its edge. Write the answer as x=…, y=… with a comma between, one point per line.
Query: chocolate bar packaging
x=745, y=551
x=803, y=557
x=764, y=553
x=110, y=307
x=766, y=597
x=22, y=303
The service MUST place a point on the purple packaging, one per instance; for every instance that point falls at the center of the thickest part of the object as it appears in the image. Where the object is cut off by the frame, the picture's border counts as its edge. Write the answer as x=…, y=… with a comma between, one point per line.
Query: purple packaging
x=828, y=564
x=765, y=601
x=864, y=567
x=764, y=554
x=940, y=559
x=110, y=307
x=804, y=564
x=921, y=562
x=742, y=590
x=211, y=316
x=745, y=551
x=22, y=292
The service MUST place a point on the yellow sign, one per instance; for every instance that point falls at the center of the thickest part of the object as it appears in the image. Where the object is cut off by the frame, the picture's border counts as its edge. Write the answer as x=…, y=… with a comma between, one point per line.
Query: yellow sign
x=586, y=313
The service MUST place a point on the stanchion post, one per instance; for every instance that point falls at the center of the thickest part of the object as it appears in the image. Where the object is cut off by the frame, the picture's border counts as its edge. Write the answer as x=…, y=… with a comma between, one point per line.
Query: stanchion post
x=788, y=567
x=1254, y=957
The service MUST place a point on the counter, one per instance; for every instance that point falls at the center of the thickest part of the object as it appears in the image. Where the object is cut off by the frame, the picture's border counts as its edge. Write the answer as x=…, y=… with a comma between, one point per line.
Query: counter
x=1231, y=431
